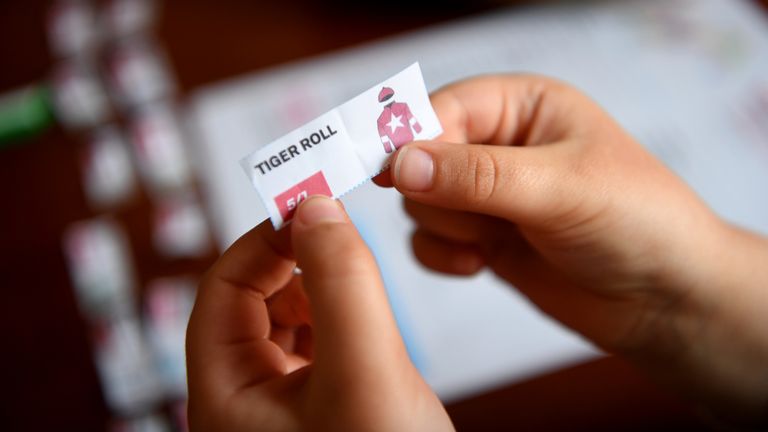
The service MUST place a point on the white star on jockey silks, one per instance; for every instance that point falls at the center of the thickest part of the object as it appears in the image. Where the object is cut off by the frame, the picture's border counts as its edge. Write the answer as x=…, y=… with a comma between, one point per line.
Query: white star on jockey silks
x=394, y=122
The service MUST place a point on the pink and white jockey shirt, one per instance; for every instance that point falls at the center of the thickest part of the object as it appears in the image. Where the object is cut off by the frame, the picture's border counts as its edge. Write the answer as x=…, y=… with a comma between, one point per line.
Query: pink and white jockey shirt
x=396, y=126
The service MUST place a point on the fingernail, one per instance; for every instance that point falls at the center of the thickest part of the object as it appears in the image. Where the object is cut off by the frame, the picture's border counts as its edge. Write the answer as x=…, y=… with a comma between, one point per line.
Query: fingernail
x=319, y=209
x=414, y=169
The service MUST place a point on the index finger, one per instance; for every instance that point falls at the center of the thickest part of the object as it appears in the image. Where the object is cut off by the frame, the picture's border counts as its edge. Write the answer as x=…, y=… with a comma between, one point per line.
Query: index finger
x=227, y=336
x=503, y=109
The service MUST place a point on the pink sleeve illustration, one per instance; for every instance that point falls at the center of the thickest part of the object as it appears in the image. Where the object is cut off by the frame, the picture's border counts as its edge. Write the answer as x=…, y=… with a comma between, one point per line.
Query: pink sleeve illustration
x=388, y=147
x=412, y=120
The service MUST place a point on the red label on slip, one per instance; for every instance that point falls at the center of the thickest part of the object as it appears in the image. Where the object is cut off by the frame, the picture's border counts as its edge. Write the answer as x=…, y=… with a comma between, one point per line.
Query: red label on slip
x=290, y=199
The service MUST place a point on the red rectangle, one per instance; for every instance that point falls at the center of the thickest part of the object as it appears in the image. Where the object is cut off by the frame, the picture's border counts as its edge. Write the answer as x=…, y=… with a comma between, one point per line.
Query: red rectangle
x=290, y=199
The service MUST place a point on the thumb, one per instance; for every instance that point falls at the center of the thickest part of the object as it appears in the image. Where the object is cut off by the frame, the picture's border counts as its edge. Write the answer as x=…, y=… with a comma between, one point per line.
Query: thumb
x=353, y=326
x=521, y=184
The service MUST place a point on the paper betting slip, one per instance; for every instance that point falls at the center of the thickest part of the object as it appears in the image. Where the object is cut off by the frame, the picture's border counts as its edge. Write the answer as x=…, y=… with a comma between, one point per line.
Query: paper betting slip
x=341, y=149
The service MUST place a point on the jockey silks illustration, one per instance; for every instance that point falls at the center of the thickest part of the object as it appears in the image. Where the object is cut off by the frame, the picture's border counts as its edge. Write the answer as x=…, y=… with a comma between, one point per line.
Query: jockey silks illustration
x=396, y=122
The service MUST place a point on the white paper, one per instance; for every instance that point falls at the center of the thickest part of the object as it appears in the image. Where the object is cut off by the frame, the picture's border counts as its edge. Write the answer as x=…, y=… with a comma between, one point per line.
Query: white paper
x=341, y=149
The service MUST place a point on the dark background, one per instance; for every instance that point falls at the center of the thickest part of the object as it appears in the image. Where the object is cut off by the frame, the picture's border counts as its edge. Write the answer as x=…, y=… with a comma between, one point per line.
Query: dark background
x=46, y=369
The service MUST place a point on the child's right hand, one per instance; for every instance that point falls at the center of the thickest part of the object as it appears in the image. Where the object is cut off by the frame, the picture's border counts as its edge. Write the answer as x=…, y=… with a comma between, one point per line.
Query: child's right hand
x=561, y=202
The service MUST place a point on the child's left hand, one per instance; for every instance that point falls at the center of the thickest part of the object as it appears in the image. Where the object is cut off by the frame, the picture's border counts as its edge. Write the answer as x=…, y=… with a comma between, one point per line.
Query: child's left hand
x=271, y=351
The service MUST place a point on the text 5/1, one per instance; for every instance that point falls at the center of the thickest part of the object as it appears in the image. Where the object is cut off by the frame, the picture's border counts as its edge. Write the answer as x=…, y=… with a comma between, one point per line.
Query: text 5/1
x=293, y=202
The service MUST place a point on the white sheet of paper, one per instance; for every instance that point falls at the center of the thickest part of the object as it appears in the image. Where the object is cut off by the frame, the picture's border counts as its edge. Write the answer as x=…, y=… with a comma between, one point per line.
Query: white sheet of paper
x=341, y=149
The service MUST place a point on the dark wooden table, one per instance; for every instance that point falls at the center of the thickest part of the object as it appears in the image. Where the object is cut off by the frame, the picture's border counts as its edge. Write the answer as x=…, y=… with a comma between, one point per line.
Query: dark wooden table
x=46, y=370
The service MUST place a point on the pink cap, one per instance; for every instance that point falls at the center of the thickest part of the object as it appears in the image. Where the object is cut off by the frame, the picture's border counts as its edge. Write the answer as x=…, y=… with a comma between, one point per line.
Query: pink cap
x=385, y=94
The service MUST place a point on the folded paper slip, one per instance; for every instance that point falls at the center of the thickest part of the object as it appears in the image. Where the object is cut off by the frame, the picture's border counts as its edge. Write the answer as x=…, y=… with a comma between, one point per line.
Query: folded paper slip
x=343, y=148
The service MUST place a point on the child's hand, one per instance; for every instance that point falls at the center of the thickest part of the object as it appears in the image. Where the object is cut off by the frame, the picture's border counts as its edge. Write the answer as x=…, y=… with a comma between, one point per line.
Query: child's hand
x=270, y=351
x=558, y=200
